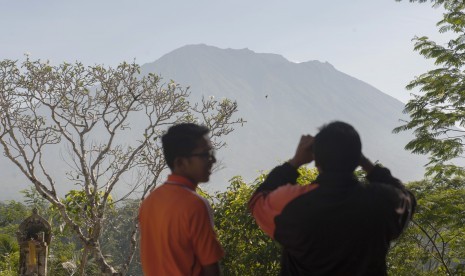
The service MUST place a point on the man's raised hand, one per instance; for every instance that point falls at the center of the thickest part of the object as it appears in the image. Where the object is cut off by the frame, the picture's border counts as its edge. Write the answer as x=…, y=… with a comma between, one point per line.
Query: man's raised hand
x=304, y=152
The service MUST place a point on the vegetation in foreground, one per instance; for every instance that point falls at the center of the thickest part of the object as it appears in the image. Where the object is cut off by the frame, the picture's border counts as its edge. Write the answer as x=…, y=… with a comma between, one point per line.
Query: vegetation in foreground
x=432, y=245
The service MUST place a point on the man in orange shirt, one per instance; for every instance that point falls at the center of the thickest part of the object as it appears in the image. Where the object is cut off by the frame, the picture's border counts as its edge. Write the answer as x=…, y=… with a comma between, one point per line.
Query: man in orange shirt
x=176, y=224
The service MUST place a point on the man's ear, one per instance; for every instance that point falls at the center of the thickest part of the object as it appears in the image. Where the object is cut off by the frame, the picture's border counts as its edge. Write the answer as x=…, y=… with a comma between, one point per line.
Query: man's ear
x=179, y=163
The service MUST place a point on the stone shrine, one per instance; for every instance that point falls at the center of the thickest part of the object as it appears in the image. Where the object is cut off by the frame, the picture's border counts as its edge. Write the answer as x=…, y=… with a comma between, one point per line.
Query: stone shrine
x=34, y=236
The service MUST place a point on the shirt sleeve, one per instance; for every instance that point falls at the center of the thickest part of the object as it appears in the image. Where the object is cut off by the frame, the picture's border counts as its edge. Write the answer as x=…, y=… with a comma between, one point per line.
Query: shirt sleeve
x=206, y=246
x=266, y=206
x=402, y=201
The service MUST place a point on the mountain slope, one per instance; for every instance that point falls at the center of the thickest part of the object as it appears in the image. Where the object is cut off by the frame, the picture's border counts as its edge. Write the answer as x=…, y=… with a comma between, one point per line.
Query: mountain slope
x=282, y=100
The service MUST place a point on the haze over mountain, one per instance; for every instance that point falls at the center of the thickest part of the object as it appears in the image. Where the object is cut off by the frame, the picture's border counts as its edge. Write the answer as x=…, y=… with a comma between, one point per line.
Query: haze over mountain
x=280, y=100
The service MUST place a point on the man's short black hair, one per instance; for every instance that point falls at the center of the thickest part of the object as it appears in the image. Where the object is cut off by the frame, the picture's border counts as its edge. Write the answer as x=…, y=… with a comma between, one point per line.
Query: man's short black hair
x=337, y=148
x=180, y=140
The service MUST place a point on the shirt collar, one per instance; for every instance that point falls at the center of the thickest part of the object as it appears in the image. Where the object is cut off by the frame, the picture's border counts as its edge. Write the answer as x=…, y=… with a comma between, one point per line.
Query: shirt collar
x=181, y=180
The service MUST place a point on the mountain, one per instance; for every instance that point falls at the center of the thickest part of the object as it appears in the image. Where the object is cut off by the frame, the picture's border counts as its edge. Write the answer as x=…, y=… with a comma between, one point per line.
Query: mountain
x=281, y=100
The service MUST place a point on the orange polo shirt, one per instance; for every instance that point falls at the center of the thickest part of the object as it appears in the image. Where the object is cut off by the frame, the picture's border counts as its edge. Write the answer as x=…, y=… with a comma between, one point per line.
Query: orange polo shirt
x=176, y=226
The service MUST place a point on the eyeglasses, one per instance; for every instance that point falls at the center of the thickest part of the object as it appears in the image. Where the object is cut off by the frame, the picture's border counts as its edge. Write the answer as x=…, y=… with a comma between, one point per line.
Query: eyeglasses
x=210, y=155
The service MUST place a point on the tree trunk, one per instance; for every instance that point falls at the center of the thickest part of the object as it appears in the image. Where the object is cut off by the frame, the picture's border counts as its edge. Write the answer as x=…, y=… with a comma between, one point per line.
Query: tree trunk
x=82, y=268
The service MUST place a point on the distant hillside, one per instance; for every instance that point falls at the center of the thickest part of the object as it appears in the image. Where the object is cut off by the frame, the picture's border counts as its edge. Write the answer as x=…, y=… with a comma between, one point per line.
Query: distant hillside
x=282, y=100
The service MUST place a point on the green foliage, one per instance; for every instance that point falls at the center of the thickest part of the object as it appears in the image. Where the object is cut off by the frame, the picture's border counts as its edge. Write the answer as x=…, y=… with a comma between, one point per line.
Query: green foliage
x=116, y=239
x=306, y=175
x=78, y=207
x=448, y=4
x=434, y=244
x=7, y=245
x=437, y=110
x=12, y=213
x=9, y=255
x=34, y=200
x=248, y=250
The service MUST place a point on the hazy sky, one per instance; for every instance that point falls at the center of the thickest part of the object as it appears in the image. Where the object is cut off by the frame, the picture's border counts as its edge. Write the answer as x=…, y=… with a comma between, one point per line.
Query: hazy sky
x=367, y=39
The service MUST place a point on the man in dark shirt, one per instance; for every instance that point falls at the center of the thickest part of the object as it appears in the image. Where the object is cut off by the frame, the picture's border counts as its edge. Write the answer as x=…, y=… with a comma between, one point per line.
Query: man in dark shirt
x=336, y=225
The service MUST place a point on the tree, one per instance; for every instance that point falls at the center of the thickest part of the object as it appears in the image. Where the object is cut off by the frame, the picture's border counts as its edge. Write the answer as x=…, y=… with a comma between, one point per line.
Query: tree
x=108, y=120
x=116, y=235
x=434, y=243
x=436, y=3
x=248, y=250
x=12, y=213
x=9, y=255
x=437, y=112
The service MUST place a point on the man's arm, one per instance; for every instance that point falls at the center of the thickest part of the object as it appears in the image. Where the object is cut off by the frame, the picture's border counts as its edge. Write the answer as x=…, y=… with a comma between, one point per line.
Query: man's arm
x=403, y=200
x=279, y=176
x=378, y=174
x=287, y=173
x=211, y=270
x=205, y=244
x=278, y=189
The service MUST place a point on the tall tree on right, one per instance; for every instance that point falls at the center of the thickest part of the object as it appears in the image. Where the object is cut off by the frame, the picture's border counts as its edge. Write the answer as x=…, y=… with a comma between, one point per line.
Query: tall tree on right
x=437, y=111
